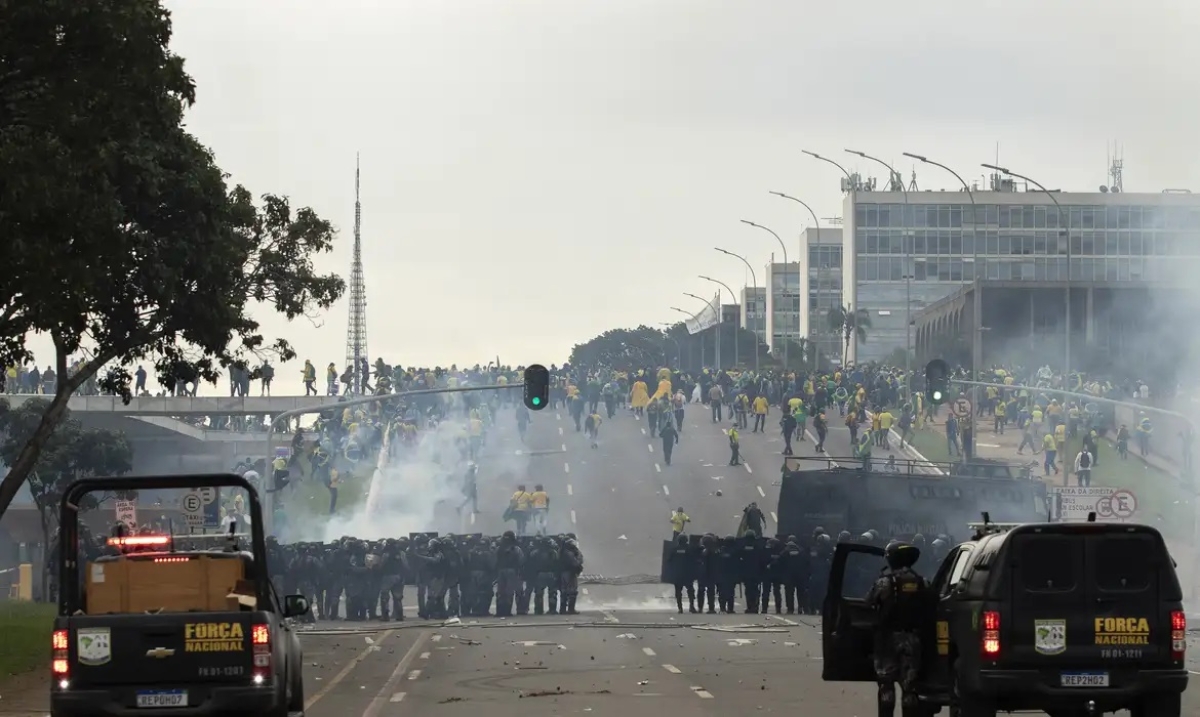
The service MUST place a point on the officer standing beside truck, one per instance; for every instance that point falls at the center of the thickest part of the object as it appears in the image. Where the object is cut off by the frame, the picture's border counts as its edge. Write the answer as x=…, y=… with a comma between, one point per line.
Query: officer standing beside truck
x=898, y=597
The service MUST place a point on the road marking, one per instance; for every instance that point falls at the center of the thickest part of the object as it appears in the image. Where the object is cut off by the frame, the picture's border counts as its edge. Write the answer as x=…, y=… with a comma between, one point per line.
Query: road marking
x=437, y=638
x=657, y=468
x=572, y=517
x=388, y=691
x=559, y=417
x=570, y=490
x=760, y=491
x=748, y=469
x=566, y=467
x=784, y=620
x=666, y=490
x=701, y=692
x=609, y=616
x=346, y=670
x=643, y=431
x=472, y=517
x=648, y=651
x=414, y=674
x=673, y=669
x=560, y=431
x=650, y=447
x=564, y=448
x=398, y=697
x=774, y=518
x=425, y=655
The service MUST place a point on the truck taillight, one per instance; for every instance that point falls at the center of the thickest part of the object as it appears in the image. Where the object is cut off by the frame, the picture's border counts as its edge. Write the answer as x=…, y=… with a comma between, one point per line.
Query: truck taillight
x=260, y=639
x=60, y=662
x=1178, y=634
x=991, y=634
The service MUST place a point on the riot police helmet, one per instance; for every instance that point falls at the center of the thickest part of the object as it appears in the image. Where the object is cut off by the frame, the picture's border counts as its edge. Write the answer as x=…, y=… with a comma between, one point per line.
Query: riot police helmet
x=901, y=555
x=844, y=536
x=918, y=540
x=823, y=539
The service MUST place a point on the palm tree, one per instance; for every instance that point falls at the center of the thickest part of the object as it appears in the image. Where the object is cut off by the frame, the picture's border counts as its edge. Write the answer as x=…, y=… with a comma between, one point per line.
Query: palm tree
x=851, y=323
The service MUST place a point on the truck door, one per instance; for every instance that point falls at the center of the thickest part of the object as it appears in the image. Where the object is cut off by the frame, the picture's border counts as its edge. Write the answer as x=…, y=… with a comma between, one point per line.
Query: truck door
x=847, y=624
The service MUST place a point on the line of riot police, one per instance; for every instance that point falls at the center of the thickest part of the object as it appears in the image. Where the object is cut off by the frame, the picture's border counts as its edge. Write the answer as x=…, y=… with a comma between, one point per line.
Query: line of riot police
x=454, y=575
x=795, y=572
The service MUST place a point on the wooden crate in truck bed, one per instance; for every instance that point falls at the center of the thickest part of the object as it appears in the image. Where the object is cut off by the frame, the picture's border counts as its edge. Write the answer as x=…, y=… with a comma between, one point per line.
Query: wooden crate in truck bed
x=170, y=582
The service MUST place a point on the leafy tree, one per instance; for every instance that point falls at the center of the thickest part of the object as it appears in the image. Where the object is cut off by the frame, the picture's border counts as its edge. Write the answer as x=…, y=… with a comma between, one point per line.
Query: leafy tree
x=852, y=324
x=70, y=452
x=623, y=349
x=122, y=239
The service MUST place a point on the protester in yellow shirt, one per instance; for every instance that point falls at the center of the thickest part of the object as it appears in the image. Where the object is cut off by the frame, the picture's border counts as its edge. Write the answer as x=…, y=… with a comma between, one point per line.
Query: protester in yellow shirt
x=678, y=520
x=761, y=407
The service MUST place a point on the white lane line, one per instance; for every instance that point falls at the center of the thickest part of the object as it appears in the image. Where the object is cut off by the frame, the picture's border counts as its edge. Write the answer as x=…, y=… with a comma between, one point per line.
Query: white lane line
x=566, y=467
x=657, y=468
x=560, y=431
x=559, y=417
x=436, y=638
x=648, y=651
x=701, y=692
x=472, y=517
x=748, y=469
x=393, y=681
x=666, y=490
x=760, y=491
x=571, y=491
x=425, y=655
x=774, y=518
x=673, y=669
x=398, y=697
x=650, y=447
x=609, y=616
x=414, y=674
x=572, y=517
x=784, y=620
x=564, y=448
x=643, y=431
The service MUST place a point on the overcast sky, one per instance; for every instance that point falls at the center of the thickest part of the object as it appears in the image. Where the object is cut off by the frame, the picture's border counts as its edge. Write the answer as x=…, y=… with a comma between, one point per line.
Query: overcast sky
x=538, y=171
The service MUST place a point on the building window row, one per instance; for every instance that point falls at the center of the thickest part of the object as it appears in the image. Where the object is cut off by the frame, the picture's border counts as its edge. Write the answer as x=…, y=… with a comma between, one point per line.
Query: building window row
x=1006, y=216
x=824, y=255
x=1029, y=268
x=995, y=242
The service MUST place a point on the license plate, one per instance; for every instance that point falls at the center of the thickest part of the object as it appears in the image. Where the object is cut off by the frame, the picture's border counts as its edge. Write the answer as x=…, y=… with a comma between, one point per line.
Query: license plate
x=1084, y=679
x=164, y=698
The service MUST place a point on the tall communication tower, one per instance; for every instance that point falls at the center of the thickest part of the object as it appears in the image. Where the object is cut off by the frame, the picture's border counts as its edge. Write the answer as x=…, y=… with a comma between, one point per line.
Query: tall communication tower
x=356, y=329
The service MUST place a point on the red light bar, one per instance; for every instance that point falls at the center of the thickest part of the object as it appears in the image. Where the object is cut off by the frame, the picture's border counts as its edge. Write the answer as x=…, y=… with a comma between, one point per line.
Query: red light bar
x=140, y=540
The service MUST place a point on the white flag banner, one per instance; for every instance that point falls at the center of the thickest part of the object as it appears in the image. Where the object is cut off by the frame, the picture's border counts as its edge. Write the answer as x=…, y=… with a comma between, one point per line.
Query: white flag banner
x=707, y=318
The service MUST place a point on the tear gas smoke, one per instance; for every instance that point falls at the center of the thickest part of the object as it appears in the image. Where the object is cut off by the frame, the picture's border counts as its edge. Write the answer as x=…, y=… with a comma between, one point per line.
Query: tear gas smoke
x=416, y=484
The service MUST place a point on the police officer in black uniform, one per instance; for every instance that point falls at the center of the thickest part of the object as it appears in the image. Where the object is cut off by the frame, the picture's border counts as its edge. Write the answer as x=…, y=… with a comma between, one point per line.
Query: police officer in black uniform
x=899, y=598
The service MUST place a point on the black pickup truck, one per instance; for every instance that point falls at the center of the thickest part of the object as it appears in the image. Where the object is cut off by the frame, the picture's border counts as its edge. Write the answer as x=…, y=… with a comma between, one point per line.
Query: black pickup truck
x=176, y=625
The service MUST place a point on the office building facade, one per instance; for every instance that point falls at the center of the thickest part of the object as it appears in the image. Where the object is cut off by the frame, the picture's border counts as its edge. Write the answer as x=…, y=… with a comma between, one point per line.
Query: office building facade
x=904, y=251
x=821, y=283
x=754, y=311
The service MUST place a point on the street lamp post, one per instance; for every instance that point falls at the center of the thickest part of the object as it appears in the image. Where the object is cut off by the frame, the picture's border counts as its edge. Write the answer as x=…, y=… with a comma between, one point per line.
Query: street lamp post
x=717, y=327
x=907, y=274
x=976, y=270
x=814, y=155
x=1065, y=228
x=817, y=223
x=736, y=330
x=753, y=278
x=785, y=261
x=688, y=313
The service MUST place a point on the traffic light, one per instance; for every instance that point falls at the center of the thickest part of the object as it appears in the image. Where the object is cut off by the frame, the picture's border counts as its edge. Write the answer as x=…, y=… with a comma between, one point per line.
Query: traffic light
x=537, y=387
x=937, y=382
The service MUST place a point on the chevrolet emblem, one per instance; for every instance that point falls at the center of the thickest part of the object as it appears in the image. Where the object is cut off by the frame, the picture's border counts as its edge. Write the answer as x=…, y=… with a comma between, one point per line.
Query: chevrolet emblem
x=159, y=652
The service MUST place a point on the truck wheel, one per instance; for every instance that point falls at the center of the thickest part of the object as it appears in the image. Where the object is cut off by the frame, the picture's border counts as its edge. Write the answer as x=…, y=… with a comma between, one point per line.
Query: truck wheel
x=1159, y=706
x=968, y=705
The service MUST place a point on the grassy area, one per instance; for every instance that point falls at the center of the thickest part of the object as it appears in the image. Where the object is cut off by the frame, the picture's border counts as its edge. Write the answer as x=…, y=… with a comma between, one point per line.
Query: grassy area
x=25, y=629
x=307, y=498
x=1162, y=499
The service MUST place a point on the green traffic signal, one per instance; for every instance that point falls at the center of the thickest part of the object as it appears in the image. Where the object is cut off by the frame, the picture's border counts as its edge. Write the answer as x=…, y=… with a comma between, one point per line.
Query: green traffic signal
x=937, y=381
x=536, y=400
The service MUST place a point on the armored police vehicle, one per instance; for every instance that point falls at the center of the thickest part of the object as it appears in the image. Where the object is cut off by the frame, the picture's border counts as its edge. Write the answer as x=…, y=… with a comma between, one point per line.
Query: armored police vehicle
x=154, y=629
x=905, y=498
x=1068, y=618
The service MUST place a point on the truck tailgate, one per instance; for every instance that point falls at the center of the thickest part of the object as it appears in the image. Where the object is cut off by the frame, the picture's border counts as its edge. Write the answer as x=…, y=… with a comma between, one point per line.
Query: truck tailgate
x=175, y=648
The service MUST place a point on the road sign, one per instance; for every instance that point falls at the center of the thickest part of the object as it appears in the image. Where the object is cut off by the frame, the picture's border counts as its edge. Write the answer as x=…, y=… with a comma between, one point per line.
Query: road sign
x=961, y=407
x=209, y=495
x=127, y=513
x=1121, y=505
x=212, y=507
x=193, y=509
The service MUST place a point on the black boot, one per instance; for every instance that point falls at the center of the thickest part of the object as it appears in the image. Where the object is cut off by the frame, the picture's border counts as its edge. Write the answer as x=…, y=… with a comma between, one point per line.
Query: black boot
x=679, y=604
